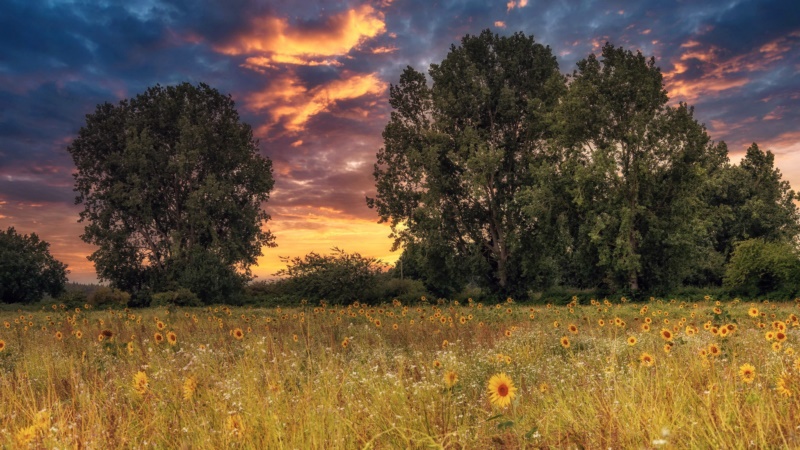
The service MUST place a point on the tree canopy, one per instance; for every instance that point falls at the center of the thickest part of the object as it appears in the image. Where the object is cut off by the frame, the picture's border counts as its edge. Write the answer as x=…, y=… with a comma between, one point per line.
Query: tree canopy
x=172, y=185
x=503, y=173
x=27, y=270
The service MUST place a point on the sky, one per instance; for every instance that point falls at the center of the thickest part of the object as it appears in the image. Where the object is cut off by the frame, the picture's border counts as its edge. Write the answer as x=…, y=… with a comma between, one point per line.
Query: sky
x=312, y=78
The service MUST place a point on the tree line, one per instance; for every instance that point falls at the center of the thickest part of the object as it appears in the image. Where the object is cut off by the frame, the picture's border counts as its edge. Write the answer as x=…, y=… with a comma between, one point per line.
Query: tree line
x=498, y=173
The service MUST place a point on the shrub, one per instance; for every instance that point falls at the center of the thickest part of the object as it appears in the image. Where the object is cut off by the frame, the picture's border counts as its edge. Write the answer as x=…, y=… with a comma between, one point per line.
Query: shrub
x=180, y=297
x=760, y=268
x=106, y=296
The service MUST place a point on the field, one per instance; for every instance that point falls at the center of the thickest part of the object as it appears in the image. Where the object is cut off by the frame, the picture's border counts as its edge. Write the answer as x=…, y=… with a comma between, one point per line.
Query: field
x=660, y=374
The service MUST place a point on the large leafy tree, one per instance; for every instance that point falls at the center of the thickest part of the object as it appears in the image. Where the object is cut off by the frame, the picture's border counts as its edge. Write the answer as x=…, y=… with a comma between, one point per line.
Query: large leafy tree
x=640, y=172
x=172, y=186
x=457, y=153
x=27, y=270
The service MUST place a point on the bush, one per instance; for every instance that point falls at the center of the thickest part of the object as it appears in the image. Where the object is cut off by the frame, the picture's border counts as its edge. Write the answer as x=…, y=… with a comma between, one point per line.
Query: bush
x=761, y=268
x=339, y=278
x=108, y=297
x=180, y=297
x=405, y=290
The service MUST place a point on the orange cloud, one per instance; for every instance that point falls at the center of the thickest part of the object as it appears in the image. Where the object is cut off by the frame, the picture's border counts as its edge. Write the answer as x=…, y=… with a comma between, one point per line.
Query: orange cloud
x=288, y=101
x=718, y=71
x=516, y=4
x=500, y=24
x=274, y=41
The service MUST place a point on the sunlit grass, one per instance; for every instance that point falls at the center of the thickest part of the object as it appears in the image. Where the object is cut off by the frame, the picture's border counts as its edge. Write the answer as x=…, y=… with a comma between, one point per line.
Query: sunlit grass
x=661, y=374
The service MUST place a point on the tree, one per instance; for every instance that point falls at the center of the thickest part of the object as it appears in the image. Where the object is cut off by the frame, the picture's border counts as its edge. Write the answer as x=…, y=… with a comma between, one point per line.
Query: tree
x=760, y=267
x=339, y=278
x=457, y=154
x=27, y=270
x=172, y=184
x=641, y=171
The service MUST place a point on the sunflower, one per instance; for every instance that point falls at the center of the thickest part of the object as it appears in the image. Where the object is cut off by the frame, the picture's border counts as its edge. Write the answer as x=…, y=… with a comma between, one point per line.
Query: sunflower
x=79, y=334
x=158, y=337
x=573, y=328
x=631, y=340
x=345, y=342
x=668, y=347
x=714, y=350
x=2, y=345
x=501, y=390
x=747, y=373
x=130, y=348
x=769, y=335
x=782, y=384
x=59, y=336
x=238, y=334
x=647, y=360
x=140, y=383
x=507, y=333
x=645, y=328
x=189, y=388
x=601, y=322
x=776, y=346
x=565, y=342
x=445, y=343
x=780, y=336
x=666, y=334
x=172, y=338
x=25, y=436
x=160, y=325
x=437, y=364
x=450, y=378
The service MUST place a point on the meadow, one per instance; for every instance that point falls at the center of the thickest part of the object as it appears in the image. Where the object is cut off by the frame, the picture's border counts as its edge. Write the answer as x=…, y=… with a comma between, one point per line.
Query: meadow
x=439, y=374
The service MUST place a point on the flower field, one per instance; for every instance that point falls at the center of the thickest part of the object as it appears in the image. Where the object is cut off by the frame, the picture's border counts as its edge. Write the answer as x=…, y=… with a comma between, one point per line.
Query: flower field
x=660, y=374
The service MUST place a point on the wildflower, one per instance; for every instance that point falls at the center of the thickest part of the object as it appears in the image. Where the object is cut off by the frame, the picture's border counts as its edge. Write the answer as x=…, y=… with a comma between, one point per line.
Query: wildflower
x=647, y=360
x=714, y=350
x=632, y=340
x=747, y=372
x=238, y=334
x=160, y=325
x=666, y=334
x=783, y=384
x=140, y=383
x=573, y=329
x=752, y=312
x=450, y=378
x=172, y=338
x=501, y=390
x=668, y=347
x=189, y=387
x=565, y=342
x=158, y=337
x=601, y=322
x=25, y=436
x=646, y=327
x=780, y=336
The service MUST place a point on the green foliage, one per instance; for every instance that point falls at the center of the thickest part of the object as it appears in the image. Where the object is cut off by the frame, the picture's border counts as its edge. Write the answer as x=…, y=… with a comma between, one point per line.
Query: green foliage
x=105, y=297
x=172, y=186
x=181, y=297
x=338, y=278
x=27, y=270
x=457, y=153
x=759, y=268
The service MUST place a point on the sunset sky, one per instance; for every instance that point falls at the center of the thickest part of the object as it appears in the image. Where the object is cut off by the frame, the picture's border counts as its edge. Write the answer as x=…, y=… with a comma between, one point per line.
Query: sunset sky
x=312, y=79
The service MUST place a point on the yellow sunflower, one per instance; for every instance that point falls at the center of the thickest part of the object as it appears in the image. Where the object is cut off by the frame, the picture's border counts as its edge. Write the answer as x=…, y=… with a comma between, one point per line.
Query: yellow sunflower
x=501, y=390
x=747, y=372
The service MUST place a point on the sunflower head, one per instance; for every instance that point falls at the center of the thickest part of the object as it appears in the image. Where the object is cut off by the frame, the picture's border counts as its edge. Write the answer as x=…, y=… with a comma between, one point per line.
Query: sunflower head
x=501, y=390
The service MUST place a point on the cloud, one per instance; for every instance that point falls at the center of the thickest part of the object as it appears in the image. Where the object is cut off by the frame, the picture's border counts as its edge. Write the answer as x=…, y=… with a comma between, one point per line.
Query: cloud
x=287, y=101
x=272, y=40
x=705, y=69
x=516, y=4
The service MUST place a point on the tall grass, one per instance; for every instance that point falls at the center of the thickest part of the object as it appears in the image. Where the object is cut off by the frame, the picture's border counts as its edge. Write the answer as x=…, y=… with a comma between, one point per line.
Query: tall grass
x=347, y=377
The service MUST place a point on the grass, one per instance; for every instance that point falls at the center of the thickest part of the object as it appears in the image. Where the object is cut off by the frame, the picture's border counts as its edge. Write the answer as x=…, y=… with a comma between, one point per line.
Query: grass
x=374, y=377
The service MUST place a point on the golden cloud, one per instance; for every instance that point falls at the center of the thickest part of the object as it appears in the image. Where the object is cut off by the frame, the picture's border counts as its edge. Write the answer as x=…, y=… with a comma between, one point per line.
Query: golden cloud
x=720, y=72
x=272, y=40
x=287, y=100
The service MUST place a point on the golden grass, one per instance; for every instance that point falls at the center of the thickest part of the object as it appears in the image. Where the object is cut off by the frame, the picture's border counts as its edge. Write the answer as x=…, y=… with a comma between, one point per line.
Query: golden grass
x=398, y=376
